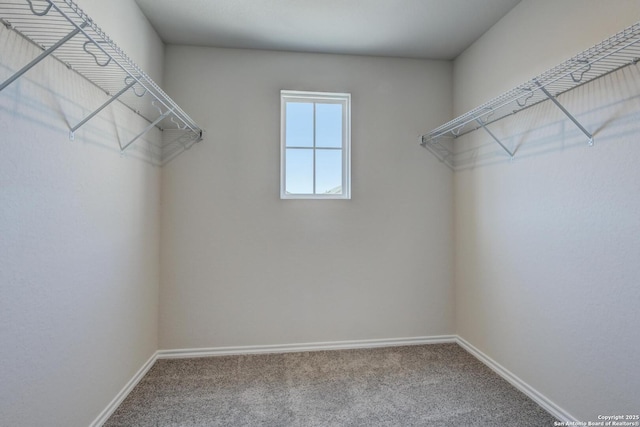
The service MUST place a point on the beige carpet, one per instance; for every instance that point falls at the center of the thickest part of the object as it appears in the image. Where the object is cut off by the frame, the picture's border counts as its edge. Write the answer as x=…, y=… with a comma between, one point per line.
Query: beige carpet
x=426, y=385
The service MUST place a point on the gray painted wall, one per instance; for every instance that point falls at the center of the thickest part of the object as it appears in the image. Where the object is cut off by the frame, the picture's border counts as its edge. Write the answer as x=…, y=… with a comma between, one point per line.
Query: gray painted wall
x=547, y=246
x=79, y=235
x=242, y=267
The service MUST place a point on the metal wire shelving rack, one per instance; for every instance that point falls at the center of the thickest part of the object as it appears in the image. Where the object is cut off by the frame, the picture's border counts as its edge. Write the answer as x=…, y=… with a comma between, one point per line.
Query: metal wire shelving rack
x=606, y=57
x=61, y=29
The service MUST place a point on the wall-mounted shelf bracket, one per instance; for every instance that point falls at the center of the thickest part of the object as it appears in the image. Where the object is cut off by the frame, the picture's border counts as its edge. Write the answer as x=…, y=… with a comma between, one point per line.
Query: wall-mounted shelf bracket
x=564, y=110
x=148, y=128
x=100, y=108
x=42, y=56
x=87, y=50
x=608, y=56
x=494, y=137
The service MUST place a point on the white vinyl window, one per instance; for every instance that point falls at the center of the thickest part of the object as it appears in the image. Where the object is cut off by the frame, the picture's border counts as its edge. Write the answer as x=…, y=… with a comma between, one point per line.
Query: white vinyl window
x=315, y=137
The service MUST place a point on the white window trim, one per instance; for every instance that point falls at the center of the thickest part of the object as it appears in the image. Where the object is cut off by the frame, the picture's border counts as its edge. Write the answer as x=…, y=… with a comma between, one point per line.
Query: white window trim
x=345, y=99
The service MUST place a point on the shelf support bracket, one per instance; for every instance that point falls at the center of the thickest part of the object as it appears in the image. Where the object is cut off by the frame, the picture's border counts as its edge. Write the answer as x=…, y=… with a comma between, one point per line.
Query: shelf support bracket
x=148, y=128
x=102, y=107
x=481, y=123
x=566, y=113
x=40, y=57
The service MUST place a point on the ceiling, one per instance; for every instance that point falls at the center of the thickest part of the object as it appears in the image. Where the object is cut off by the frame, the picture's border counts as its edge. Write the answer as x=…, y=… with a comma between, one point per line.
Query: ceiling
x=432, y=29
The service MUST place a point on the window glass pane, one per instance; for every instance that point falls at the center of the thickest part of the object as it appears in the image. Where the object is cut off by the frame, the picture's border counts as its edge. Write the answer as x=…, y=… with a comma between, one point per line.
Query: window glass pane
x=299, y=122
x=329, y=125
x=328, y=171
x=299, y=171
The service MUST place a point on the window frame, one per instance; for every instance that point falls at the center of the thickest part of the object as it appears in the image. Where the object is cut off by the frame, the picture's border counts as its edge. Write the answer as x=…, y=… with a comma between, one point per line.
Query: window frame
x=317, y=97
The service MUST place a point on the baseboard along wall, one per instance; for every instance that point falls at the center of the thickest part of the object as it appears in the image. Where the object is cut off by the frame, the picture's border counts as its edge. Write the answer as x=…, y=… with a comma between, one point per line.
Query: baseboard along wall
x=122, y=394
x=532, y=393
x=515, y=381
x=292, y=348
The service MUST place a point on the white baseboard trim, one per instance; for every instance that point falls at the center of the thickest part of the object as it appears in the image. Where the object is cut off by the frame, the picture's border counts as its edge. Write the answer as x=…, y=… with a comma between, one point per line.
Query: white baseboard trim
x=113, y=405
x=316, y=346
x=512, y=379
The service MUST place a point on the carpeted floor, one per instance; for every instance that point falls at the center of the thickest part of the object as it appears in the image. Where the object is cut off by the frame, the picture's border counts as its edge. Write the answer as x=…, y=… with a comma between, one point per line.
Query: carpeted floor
x=425, y=385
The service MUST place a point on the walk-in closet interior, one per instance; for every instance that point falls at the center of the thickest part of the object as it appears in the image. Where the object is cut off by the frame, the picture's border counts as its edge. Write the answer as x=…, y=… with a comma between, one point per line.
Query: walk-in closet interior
x=479, y=251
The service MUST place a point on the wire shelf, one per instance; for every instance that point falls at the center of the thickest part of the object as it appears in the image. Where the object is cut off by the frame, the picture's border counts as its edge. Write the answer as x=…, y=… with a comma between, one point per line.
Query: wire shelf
x=608, y=56
x=62, y=29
